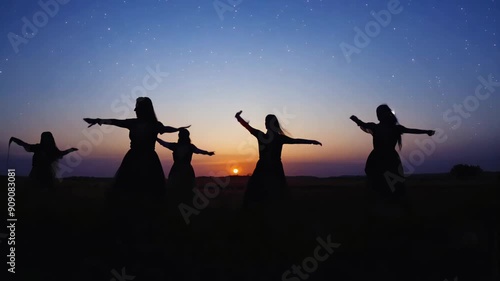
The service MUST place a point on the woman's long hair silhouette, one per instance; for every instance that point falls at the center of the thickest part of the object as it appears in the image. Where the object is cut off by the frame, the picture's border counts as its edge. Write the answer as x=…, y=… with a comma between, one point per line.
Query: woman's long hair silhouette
x=273, y=124
x=184, y=137
x=145, y=110
x=141, y=168
x=181, y=179
x=268, y=183
x=139, y=185
x=383, y=166
x=387, y=116
x=45, y=158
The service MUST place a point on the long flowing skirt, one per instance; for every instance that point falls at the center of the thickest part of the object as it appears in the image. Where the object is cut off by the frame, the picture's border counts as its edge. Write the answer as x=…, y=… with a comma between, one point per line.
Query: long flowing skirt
x=43, y=176
x=385, y=173
x=267, y=185
x=140, y=171
x=180, y=184
x=135, y=201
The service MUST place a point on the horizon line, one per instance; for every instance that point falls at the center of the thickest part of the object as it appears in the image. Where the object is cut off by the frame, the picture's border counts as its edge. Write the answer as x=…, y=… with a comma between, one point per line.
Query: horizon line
x=249, y=175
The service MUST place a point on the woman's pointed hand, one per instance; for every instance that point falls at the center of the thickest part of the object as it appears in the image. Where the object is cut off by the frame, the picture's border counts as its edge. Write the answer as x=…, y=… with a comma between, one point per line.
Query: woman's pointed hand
x=91, y=121
x=316, y=143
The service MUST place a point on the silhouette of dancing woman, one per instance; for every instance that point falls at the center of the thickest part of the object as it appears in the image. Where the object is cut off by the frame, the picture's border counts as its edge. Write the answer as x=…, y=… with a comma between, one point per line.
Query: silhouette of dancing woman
x=141, y=168
x=137, y=194
x=45, y=157
x=383, y=167
x=181, y=179
x=268, y=182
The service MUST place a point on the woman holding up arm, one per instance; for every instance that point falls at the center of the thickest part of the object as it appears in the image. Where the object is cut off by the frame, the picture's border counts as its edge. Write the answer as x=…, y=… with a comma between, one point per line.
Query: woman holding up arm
x=268, y=182
x=45, y=157
x=141, y=168
x=383, y=167
x=181, y=179
x=266, y=215
x=388, y=211
x=137, y=195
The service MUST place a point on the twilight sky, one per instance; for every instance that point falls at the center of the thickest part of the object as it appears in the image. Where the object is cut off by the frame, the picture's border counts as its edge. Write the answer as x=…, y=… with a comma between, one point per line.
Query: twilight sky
x=312, y=63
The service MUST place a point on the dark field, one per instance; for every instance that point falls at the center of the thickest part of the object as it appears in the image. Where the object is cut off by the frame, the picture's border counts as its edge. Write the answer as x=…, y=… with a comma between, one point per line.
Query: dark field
x=450, y=232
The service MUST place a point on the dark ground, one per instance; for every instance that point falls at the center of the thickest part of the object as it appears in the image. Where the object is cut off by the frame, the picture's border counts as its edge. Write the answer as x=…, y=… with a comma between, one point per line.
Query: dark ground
x=451, y=232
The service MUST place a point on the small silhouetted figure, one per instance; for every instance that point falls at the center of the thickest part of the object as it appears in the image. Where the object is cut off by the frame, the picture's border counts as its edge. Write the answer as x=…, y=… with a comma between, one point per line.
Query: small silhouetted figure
x=268, y=183
x=181, y=179
x=383, y=167
x=45, y=157
x=141, y=168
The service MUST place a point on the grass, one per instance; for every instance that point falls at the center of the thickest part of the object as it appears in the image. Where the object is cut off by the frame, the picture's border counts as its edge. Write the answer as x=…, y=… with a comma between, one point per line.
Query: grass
x=66, y=234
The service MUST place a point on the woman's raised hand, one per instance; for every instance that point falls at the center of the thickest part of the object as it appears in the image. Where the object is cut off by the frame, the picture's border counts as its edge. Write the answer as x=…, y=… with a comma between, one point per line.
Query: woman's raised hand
x=315, y=142
x=91, y=121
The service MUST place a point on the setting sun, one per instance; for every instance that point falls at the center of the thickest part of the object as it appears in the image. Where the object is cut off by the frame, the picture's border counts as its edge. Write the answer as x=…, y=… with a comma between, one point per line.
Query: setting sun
x=235, y=171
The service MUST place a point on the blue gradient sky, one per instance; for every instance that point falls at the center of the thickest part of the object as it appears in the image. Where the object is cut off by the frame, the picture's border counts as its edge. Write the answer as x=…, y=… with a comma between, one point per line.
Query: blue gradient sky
x=263, y=57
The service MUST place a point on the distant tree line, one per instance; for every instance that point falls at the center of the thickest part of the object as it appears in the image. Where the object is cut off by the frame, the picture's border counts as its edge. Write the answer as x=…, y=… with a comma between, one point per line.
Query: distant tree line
x=464, y=172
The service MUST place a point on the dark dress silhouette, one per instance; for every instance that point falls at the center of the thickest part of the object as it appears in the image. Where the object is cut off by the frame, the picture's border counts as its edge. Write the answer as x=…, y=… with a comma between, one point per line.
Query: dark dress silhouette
x=181, y=179
x=389, y=214
x=45, y=157
x=134, y=203
x=141, y=169
x=383, y=166
x=383, y=161
x=266, y=215
x=268, y=183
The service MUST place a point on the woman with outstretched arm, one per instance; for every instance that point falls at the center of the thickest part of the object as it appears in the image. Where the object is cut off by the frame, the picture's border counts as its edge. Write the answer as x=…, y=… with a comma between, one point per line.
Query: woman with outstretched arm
x=181, y=179
x=268, y=183
x=383, y=166
x=45, y=157
x=141, y=169
x=139, y=187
